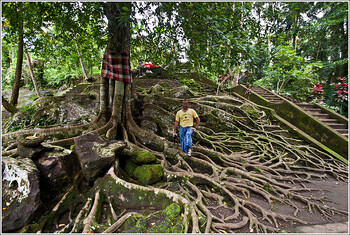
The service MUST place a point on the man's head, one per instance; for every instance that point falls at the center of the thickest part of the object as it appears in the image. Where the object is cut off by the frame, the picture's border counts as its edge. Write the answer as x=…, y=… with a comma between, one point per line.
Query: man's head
x=185, y=104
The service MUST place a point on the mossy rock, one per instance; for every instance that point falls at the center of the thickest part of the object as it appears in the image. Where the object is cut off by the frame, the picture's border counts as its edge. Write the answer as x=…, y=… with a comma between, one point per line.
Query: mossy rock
x=142, y=157
x=141, y=224
x=130, y=166
x=130, y=223
x=250, y=111
x=149, y=174
x=31, y=228
x=164, y=226
x=133, y=230
x=172, y=211
x=178, y=228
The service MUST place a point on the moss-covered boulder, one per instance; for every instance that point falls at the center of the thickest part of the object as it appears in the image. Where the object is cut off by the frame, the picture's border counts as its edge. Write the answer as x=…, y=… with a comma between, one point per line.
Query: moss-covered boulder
x=142, y=157
x=178, y=228
x=149, y=174
x=250, y=110
x=164, y=226
x=130, y=166
x=172, y=211
x=169, y=221
x=130, y=223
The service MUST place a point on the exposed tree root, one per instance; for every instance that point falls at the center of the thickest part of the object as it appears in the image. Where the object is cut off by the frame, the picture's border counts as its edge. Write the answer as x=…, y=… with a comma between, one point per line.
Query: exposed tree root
x=235, y=158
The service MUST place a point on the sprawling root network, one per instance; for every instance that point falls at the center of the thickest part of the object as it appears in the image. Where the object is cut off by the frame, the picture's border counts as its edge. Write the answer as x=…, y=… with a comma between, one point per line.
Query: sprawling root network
x=239, y=152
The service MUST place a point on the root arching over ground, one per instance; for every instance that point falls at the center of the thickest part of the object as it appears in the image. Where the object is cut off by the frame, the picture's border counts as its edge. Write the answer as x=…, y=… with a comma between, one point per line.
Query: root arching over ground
x=239, y=153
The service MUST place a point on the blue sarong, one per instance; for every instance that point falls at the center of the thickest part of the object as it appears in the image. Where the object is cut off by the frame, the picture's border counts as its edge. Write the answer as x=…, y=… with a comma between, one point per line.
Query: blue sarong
x=185, y=134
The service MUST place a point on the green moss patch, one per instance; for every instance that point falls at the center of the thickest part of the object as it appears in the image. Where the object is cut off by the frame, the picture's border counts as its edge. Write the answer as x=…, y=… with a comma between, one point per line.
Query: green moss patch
x=142, y=157
x=250, y=111
x=149, y=174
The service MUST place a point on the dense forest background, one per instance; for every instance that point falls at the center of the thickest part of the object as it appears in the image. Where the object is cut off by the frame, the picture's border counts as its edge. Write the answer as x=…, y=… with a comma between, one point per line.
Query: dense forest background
x=287, y=47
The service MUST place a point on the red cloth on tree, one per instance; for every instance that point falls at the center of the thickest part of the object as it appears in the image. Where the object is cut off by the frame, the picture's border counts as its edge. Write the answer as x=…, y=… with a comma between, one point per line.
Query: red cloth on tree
x=116, y=67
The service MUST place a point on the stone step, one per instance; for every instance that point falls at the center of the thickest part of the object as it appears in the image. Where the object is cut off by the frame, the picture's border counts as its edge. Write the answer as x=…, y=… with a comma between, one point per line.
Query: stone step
x=261, y=93
x=276, y=101
x=270, y=95
x=312, y=109
x=337, y=125
x=305, y=105
x=327, y=120
x=319, y=115
x=342, y=131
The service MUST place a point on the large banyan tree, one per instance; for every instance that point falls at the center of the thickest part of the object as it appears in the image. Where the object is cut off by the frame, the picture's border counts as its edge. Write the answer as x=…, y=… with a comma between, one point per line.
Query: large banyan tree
x=243, y=164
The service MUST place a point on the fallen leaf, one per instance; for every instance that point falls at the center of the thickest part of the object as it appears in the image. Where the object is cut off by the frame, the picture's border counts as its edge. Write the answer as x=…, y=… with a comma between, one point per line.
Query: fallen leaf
x=61, y=225
x=4, y=208
x=223, y=231
x=8, y=204
x=251, y=230
x=182, y=215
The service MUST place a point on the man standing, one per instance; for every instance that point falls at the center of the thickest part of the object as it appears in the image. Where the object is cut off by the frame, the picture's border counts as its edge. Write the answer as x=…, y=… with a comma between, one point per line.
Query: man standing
x=185, y=117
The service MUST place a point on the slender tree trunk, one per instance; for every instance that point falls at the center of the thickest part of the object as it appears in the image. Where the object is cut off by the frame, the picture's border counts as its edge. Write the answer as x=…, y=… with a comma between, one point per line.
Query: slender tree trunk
x=8, y=63
x=31, y=71
x=18, y=73
x=295, y=34
x=236, y=73
x=85, y=73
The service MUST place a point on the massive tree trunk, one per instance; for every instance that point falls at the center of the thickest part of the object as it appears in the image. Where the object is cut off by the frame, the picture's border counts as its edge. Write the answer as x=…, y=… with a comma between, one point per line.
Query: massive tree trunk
x=18, y=74
x=31, y=71
x=118, y=42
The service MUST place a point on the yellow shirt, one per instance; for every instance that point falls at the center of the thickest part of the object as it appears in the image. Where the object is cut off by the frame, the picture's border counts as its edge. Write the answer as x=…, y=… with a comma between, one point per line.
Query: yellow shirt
x=186, y=118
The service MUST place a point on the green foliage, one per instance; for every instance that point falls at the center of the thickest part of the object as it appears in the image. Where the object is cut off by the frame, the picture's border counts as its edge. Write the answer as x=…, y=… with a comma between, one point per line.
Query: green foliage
x=57, y=78
x=215, y=36
x=57, y=35
x=290, y=74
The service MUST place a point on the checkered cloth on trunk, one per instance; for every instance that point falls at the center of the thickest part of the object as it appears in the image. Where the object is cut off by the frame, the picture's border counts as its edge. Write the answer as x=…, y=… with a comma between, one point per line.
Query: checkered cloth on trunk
x=116, y=66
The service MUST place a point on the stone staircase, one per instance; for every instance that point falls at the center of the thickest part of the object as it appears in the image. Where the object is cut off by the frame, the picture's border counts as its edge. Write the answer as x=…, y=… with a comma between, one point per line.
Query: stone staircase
x=267, y=95
x=309, y=108
x=325, y=118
